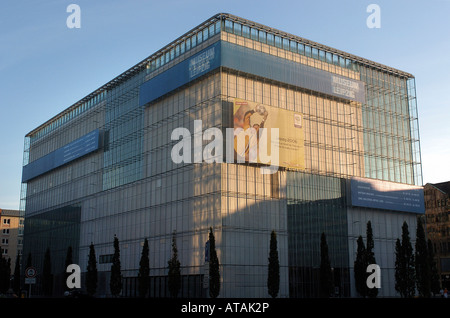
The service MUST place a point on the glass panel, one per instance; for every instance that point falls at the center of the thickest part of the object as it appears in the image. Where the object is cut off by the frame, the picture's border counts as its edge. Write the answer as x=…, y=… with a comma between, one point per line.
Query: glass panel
x=262, y=36
x=278, y=41
x=238, y=29
x=315, y=53
x=335, y=59
x=286, y=44
x=246, y=31
x=228, y=26
x=329, y=57
x=199, y=37
x=294, y=46
x=254, y=33
x=218, y=27
x=193, y=41
x=307, y=50
x=211, y=30
x=205, y=34
x=301, y=49
x=322, y=55
x=270, y=39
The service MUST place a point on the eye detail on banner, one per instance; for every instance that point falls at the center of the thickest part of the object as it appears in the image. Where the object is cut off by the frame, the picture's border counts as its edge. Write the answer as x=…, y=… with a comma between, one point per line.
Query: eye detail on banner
x=254, y=124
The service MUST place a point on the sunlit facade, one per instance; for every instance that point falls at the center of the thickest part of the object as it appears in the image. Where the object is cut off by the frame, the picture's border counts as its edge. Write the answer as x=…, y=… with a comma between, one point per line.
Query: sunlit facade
x=437, y=207
x=103, y=167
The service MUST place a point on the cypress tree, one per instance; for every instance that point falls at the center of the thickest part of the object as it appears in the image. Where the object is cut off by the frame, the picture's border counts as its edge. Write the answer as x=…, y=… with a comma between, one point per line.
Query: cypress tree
x=371, y=292
x=91, y=274
x=423, y=276
x=144, y=270
x=409, y=261
x=16, y=286
x=174, y=270
x=434, y=276
x=47, y=278
x=115, y=283
x=273, y=280
x=214, y=274
x=404, y=265
x=5, y=272
x=360, y=266
x=326, y=282
x=67, y=263
x=399, y=276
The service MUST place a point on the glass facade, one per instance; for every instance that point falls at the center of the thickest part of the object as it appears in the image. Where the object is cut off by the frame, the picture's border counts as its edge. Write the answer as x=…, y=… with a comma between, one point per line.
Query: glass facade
x=315, y=205
x=133, y=189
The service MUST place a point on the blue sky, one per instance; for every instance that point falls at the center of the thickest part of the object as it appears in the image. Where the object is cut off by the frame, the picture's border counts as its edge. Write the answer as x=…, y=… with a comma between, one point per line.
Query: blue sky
x=46, y=67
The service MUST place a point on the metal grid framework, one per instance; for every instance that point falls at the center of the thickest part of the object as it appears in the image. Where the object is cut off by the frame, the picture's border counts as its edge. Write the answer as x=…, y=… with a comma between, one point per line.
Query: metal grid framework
x=141, y=66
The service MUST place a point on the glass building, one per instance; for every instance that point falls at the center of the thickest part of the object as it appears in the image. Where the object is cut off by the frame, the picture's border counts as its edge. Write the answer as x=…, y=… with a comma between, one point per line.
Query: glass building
x=349, y=154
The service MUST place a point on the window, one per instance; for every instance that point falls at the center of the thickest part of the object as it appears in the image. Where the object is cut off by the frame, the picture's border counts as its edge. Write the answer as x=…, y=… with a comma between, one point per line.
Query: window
x=199, y=37
x=254, y=34
x=270, y=39
x=307, y=50
x=335, y=59
x=286, y=44
x=5, y=231
x=237, y=29
x=278, y=41
x=4, y=251
x=228, y=26
x=322, y=55
x=246, y=31
x=218, y=27
x=262, y=37
x=5, y=241
x=6, y=221
x=104, y=259
x=294, y=46
x=315, y=53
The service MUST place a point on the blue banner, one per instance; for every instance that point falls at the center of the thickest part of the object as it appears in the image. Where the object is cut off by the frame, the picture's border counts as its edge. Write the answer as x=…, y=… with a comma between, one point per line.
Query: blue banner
x=74, y=150
x=182, y=73
x=385, y=195
x=246, y=60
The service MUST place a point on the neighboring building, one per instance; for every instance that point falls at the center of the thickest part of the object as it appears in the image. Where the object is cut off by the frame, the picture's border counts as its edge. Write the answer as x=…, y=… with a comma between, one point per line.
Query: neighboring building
x=437, y=210
x=11, y=232
x=349, y=153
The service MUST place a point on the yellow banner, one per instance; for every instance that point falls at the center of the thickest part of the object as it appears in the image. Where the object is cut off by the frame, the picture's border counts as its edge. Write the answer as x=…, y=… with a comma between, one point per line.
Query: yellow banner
x=290, y=145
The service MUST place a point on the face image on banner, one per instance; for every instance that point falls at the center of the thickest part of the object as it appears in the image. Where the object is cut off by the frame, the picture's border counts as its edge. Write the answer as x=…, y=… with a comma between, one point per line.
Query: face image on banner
x=250, y=117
